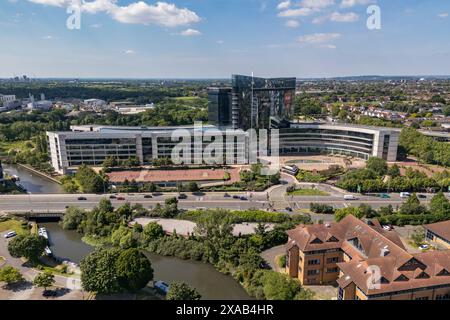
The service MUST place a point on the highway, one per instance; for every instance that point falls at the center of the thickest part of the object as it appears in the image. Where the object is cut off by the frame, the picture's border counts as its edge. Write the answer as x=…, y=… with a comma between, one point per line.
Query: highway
x=276, y=199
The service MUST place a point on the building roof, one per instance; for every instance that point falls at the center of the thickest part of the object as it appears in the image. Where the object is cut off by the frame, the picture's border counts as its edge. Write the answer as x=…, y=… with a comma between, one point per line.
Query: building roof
x=373, y=248
x=373, y=239
x=441, y=229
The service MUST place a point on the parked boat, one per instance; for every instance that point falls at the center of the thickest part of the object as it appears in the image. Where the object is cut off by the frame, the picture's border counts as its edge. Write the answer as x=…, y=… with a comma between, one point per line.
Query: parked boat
x=48, y=252
x=42, y=232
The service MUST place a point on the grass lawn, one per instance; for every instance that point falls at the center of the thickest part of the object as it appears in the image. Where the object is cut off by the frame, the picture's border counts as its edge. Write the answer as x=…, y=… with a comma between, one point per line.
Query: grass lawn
x=308, y=192
x=96, y=242
x=10, y=225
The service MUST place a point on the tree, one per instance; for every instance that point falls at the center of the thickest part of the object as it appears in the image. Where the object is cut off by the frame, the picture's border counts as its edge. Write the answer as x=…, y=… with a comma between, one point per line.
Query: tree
x=134, y=270
x=10, y=275
x=123, y=237
x=193, y=186
x=394, y=171
x=412, y=206
x=343, y=212
x=44, y=280
x=277, y=286
x=89, y=180
x=152, y=231
x=377, y=165
x=72, y=218
x=29, y=246
x=418, y=237
x=440, y=205
x=181, y=291
x=98, y=271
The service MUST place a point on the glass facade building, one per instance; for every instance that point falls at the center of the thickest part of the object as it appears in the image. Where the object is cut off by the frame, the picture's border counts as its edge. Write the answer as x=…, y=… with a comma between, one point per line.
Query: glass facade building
x=252, y=102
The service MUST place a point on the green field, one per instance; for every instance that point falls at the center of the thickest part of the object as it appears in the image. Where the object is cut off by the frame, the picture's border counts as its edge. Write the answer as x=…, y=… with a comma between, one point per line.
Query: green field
x=308, y=192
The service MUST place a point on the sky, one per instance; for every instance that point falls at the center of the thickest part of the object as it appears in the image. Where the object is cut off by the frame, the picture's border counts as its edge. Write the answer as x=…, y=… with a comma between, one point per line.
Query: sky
x=217, y=38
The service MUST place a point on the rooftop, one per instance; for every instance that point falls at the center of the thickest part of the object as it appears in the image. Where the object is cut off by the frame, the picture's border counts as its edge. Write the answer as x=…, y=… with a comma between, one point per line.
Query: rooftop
x=442, y=229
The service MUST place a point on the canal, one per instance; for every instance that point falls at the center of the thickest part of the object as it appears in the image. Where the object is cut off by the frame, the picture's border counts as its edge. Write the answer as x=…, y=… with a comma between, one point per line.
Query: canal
x=211, y=284
x=32, y=182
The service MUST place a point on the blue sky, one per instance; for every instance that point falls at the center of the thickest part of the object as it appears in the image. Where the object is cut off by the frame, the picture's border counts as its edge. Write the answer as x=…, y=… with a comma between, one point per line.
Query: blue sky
x=215, y=38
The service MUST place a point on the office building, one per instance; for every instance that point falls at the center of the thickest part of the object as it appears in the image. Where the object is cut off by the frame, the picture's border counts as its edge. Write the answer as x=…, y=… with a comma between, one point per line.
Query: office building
x=253, y=102
x=353, y=252
x=438, y=234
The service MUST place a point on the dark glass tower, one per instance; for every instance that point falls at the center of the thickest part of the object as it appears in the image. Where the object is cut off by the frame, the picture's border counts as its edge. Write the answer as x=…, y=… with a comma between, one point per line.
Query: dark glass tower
x=219, y=106
x=251, y=102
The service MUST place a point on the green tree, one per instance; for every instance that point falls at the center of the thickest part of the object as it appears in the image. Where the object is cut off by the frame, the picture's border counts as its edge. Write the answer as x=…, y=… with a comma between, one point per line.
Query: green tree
x=134, y=270
x=193, y=186
x=44, y=280
x=440, y=205
x=89, y=180
x=412, y=206
x=98, y=271
x=181, y=291
x=152, y=231
x=377, y=165
x=72, y=218
x=277, y=286
x=10, y=275
x=28, y=246
x=394, y=171
x=343, y=212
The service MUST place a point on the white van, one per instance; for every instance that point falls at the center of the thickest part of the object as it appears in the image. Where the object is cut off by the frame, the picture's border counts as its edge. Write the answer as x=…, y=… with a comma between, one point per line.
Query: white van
x=405, y=195
x=350, y=197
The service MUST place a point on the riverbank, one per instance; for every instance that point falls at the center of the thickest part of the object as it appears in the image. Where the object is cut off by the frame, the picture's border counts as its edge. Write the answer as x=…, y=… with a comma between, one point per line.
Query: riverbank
x=40, y=173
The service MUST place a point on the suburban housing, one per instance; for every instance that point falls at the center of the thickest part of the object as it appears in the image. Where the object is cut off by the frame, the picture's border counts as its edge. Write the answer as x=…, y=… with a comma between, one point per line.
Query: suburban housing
x=366, y=261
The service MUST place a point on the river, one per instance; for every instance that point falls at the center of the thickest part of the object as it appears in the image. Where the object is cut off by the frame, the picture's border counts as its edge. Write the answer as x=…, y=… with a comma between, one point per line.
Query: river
x=32, y=182
x=210, y=283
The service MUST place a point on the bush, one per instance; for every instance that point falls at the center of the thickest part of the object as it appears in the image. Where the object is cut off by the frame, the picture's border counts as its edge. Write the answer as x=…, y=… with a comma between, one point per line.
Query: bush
x=321, y=208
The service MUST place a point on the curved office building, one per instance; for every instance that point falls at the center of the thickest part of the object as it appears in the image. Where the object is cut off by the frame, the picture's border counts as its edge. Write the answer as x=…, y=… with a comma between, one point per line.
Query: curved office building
x=357, y=141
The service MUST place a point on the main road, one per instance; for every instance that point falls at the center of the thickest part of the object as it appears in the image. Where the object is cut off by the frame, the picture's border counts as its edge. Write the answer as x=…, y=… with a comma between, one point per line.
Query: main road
x=275, y=198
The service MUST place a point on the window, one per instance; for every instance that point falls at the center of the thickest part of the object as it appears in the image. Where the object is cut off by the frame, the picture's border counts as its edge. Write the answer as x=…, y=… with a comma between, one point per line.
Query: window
x=422, y=298
x=333, y=260
x=313, y=272
x=443, y=297
x=314, y=262
x=332, y=270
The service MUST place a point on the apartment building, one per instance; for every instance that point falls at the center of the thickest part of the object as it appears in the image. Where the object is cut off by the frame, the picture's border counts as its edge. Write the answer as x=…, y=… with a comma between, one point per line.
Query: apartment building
x=366, y=261
x=438, y=233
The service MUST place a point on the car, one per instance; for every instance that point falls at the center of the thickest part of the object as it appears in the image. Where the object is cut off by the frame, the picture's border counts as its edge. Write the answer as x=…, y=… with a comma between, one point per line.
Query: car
x=226, y=195
x=387, y=228
x=350, y=197
x=243, y=198
x=112, y=197
x=120, y=199
x=385, y=196
x=49, y=293
x=182, y=197
x=405, y=195
x=82, y=199
x=289, y=209
x=424, y=247
x=147, y=196
x=421, y=196
x=236, y=197
x=10, y=234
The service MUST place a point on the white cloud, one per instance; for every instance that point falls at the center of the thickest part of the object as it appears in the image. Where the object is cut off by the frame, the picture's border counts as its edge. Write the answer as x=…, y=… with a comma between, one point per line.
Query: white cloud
x=162, y=13
x=190, y=33
x=319, y=38
x=344, y=17
x=352, y=3
x=284, y=5
x=220, y=42
x=292, y=24
x=302, y=12
x=316, y=4
x=443, y=15
x=130, y=51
